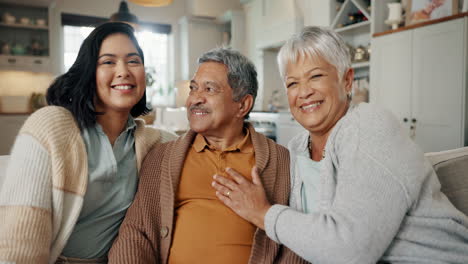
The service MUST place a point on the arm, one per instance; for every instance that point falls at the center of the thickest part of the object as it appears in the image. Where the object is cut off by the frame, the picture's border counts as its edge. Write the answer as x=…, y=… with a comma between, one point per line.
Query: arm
x=362, y=205
x=133, y=243
x=25, y=204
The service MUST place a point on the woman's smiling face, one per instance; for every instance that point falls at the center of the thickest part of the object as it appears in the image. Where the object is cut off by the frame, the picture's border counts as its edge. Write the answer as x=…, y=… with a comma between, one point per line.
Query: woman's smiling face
x=316, y=93
x=120, y=75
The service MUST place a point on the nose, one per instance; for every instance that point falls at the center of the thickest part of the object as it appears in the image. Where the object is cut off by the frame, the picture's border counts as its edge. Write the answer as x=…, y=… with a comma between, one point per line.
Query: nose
x=196, y=97
x=122, y=70
x=305, y=90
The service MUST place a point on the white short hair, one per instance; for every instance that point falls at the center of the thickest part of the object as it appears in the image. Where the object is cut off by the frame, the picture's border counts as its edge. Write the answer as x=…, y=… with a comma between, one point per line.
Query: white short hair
x=315, y=42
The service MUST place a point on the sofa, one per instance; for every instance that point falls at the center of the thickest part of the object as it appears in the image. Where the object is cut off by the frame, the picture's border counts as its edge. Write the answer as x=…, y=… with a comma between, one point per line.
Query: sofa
x=451, y=167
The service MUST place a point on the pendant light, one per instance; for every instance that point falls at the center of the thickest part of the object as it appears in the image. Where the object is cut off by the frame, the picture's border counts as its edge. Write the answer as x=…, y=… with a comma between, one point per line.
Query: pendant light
x=153, y=3
x=124, y=15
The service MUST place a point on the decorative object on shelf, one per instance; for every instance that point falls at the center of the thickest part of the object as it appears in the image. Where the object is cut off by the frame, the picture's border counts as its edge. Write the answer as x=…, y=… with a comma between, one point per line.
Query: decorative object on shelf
x=18, y=49
x=124, y=15
x=8, y=18
x=6, y=48
x=40, y=22
x=153, y=3
x=360, y=54
x=354, y=18
x=424, y=10
x=35, y=48
x=394, y=15
x=37, y=101
x=465, y=6
x=25, y=21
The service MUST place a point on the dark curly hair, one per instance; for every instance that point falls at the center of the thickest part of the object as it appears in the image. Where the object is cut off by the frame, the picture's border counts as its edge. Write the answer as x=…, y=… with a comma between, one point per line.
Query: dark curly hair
x=76, y=89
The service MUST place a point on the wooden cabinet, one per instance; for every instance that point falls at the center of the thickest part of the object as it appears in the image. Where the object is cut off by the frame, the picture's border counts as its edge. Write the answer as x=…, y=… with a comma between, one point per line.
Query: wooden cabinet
x=24, y=45
x=420, y=75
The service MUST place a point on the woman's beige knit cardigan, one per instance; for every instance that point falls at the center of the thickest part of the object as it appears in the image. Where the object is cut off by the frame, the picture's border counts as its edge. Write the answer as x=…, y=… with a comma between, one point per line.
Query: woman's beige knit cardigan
x=42, y=194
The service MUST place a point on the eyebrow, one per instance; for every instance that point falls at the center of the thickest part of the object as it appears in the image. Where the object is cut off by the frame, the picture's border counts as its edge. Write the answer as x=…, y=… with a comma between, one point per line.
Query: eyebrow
x=309, y=71
x=113, y=55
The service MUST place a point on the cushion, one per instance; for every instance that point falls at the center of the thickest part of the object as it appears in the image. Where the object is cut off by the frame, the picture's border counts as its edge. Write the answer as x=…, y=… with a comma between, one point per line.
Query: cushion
x=3, y=167
x=451, y=167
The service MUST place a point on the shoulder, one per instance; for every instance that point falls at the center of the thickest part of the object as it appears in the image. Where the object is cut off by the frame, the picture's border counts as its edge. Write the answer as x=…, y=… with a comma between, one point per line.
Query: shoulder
x=52, y=124
x=371, y=115
x=153, y=135
x=367, y=122
x=299, y=142
x=50, y=117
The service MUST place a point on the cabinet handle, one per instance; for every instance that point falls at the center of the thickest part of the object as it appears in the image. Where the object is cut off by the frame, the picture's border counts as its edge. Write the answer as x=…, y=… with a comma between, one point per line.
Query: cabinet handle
x=11, y=60
x=37, y=61
x=412, y=132
x=413, y=120
x=405, y=119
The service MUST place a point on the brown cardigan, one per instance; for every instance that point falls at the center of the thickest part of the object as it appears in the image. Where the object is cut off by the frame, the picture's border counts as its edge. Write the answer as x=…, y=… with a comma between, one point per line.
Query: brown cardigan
x=146, y=233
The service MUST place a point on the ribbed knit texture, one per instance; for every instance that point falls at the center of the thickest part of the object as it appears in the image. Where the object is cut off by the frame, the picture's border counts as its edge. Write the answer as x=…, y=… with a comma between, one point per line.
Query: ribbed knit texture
x=146, y=233
x=42, y=194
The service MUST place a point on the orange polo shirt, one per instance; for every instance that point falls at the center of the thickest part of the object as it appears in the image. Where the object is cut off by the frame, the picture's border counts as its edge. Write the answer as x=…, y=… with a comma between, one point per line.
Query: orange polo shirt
x=207, y=231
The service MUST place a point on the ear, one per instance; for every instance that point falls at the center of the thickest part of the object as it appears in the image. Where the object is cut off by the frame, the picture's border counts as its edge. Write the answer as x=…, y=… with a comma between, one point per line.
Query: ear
x=245, y=104
x=348, y=79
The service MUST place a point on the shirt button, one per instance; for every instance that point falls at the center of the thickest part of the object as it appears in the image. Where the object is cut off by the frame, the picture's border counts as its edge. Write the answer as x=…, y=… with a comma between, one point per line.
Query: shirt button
x=164, y=231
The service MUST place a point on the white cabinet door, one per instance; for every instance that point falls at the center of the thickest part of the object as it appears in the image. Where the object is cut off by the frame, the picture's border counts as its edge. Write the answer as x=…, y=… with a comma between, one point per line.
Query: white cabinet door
x=391, y=74
x=438, y=81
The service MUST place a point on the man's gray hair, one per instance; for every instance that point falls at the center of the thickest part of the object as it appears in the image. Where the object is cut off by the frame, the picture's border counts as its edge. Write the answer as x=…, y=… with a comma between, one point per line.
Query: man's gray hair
x=242, y=76
x=315, y=42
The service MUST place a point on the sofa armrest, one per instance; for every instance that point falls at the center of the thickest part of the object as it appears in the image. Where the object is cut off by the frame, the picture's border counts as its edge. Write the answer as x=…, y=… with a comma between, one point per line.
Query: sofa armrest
x=451, y=167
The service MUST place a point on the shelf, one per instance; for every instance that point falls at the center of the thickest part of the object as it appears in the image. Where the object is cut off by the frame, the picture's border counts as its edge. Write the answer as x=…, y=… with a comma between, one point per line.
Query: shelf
x=353, y=26
x=350, y=6
x=422, y=24
x=35, y=27
x=358, y=65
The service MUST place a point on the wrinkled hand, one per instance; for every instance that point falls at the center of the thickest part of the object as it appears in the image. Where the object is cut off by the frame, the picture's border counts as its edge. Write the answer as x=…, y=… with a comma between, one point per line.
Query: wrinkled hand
x=245, y=198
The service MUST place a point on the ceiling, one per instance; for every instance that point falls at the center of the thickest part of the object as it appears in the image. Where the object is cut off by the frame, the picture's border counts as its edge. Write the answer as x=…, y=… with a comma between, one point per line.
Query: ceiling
x=42, y=3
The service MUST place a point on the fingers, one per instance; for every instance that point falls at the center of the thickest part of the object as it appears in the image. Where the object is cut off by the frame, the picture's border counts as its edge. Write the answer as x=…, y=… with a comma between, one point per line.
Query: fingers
x=236, y=176
x=225, y=182
x=255, y=177
x=225, y=191
x=224, y=199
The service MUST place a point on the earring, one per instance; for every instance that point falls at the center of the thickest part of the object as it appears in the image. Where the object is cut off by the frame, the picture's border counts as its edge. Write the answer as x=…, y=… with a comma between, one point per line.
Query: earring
x=349, y=95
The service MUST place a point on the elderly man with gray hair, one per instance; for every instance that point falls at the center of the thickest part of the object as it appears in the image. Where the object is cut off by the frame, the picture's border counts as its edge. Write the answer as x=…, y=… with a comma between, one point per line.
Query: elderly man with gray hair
x=176, y=216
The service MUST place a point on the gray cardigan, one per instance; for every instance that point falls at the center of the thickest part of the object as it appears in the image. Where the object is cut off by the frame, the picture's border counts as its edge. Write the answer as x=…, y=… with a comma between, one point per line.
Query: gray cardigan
x=379, y=199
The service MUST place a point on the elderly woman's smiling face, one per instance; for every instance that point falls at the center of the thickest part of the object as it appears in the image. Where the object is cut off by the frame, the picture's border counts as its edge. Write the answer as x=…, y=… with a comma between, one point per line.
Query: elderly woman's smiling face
x=316, y=94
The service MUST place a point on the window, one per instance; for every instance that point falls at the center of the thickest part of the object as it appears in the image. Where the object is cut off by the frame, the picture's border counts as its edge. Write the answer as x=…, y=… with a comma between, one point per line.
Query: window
x=153, y=39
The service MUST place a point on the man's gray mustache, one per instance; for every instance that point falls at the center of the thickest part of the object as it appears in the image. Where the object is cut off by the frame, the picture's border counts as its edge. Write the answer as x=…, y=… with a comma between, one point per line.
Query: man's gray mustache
x=198, y=107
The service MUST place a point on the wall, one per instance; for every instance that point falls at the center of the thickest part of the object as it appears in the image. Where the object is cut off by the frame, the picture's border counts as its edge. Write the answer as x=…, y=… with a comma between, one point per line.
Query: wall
x=211, y=8
x=16, y=83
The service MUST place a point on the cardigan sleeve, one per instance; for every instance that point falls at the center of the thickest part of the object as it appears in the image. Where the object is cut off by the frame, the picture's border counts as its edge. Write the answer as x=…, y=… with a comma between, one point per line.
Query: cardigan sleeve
x=360, y=215
x=25, y=204
x=133, y=243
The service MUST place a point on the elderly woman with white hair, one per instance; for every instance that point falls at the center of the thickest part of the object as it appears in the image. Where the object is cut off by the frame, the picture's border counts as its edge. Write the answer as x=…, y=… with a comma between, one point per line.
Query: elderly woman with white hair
x=362, y=191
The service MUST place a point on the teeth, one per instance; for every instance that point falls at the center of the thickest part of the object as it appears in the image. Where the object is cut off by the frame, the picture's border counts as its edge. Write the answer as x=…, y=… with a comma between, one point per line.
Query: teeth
x=123, y=87
x=311, y=105
x=199, y=113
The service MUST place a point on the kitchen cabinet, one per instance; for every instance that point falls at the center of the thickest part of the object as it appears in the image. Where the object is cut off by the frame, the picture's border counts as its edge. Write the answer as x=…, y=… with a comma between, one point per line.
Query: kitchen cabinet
x=197, y=36
x=25, y=38
x=420, y=75
x=10, y=124
x=233, y=25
